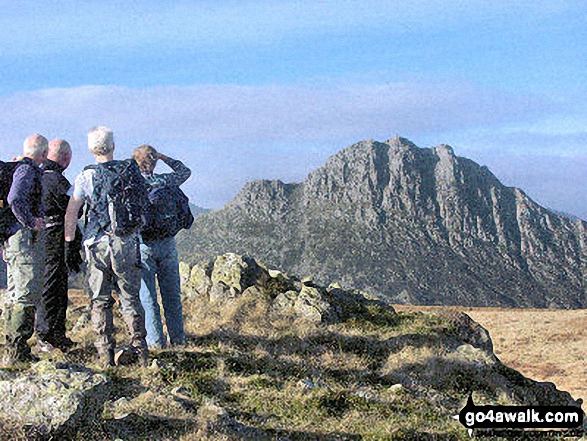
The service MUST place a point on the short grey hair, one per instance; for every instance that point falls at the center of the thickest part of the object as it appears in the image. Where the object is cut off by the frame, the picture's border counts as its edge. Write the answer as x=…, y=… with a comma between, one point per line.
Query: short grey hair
x=101, y=141
x=59, y=148
x=35, y=145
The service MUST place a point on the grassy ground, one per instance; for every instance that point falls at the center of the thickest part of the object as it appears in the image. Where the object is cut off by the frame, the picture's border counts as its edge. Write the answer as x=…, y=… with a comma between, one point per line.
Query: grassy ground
x=244, y=376
x=240, y=376
x=543, y=344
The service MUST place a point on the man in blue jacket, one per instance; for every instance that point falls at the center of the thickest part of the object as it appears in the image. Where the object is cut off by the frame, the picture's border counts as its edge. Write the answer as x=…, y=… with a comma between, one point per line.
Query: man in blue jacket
x=24, y=251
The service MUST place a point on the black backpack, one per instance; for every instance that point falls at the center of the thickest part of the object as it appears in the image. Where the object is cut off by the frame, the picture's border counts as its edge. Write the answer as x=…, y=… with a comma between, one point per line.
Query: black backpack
x=167, y=214
x=7, y=218
x=122, y=210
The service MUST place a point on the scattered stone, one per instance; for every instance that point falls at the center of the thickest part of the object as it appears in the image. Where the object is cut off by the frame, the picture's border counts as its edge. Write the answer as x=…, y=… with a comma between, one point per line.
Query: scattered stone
x=181, y=391
x=366, y=393
x=396, y=388
x=214, y=420
x=306, y=383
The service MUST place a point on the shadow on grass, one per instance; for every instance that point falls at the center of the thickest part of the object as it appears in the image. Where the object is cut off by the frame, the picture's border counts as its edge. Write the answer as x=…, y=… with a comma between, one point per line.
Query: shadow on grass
x=245, y=361
x=134, y=426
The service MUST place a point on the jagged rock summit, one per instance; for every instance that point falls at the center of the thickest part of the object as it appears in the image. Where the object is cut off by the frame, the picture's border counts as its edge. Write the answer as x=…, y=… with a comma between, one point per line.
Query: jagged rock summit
x=416, y=225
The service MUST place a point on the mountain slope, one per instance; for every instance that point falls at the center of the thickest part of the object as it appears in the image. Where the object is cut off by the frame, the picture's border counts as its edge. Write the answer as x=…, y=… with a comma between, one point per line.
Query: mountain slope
x=416, y=225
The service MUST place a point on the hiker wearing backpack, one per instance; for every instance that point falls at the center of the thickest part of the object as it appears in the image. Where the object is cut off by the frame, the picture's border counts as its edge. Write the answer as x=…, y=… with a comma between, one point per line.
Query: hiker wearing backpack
x=23, y=242
x=168, y=213
x=54, y=299
x=116, y=195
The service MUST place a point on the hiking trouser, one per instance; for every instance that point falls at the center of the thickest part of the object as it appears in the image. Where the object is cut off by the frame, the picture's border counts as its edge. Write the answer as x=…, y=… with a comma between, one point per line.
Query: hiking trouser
x=54, y=297
x=115, y=261
x=160, y=263
x=24, y=253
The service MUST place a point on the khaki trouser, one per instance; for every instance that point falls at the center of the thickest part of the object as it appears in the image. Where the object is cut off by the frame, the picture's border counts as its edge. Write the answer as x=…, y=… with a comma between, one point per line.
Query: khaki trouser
x=115, y=261
x=24, y=253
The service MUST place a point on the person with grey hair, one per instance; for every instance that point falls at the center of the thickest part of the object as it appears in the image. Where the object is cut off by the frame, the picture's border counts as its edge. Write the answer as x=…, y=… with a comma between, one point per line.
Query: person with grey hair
x=54, y=298
x=111, y=245
x=24, y=251
x=101, y=141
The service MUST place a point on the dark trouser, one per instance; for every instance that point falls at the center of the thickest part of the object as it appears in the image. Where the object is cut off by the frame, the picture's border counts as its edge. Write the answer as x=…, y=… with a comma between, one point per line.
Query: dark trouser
x=55, y=288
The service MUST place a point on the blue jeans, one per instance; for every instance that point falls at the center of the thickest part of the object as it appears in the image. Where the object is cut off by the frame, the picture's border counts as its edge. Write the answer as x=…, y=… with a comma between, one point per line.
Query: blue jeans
x=160, y=263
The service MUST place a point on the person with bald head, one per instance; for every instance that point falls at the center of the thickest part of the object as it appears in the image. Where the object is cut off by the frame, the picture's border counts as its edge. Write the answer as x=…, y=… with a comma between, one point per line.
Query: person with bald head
x=24, y=251
x=54, y=299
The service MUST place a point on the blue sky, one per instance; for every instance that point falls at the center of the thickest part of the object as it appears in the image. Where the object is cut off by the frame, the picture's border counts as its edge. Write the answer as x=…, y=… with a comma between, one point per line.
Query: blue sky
x=245, y=90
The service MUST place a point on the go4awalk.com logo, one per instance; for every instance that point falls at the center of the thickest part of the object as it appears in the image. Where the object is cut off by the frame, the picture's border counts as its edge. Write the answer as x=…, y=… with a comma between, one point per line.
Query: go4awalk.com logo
x=520, y=417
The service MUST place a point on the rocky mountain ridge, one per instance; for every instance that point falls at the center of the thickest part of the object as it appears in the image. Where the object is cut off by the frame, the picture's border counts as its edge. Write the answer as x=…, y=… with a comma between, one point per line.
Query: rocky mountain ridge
x=416, y=225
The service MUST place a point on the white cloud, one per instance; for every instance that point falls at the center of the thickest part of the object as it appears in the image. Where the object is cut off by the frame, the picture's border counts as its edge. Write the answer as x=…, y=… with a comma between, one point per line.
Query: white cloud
x=232, y=134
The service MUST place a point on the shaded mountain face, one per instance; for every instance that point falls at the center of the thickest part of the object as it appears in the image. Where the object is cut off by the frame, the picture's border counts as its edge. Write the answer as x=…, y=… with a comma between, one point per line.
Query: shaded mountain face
x=416, y=225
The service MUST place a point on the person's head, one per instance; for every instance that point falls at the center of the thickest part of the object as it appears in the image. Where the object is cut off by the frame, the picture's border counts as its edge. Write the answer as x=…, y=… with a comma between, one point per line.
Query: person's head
x=101, y=141
x=35, y=147
x=60, y=152
x=146, y=156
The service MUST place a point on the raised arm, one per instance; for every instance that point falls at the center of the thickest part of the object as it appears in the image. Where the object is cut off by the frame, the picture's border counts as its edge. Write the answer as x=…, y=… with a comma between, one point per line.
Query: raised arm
x=180, y=174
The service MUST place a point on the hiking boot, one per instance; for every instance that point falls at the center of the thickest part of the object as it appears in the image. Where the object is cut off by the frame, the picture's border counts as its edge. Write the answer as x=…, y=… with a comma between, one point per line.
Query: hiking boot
x=44, y=346
x=126, y=356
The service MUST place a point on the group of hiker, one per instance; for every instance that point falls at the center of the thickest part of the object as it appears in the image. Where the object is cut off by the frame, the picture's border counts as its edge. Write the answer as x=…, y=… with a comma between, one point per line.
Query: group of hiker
x=121, y=216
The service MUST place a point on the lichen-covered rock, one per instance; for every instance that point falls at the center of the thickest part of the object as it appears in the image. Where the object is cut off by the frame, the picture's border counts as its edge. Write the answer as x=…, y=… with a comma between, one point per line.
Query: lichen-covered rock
x=184, y=272
x=311, y=305
x=52, y=399
x=219, y=292
x=238, y=272
x=231, y=276
x=285, y=301
x=199, y=281
x=215, y=422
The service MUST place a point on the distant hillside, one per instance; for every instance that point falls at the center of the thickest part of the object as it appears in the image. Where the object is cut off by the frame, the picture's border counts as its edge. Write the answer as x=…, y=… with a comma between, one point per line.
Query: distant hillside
x=416, y=225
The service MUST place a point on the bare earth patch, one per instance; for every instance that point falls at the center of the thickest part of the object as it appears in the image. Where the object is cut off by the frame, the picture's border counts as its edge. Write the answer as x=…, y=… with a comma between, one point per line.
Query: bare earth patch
x=543, y=344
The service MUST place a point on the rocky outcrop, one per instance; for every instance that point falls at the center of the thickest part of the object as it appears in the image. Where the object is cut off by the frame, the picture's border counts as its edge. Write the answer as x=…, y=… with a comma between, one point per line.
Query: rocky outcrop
x=440, y=357
x=51, y=400
x=417, y=225
x=231, y=276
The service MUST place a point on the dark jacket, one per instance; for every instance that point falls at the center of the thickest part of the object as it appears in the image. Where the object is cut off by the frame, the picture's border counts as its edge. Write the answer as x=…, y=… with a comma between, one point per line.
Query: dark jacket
x=25, y=196
x=55, y=189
